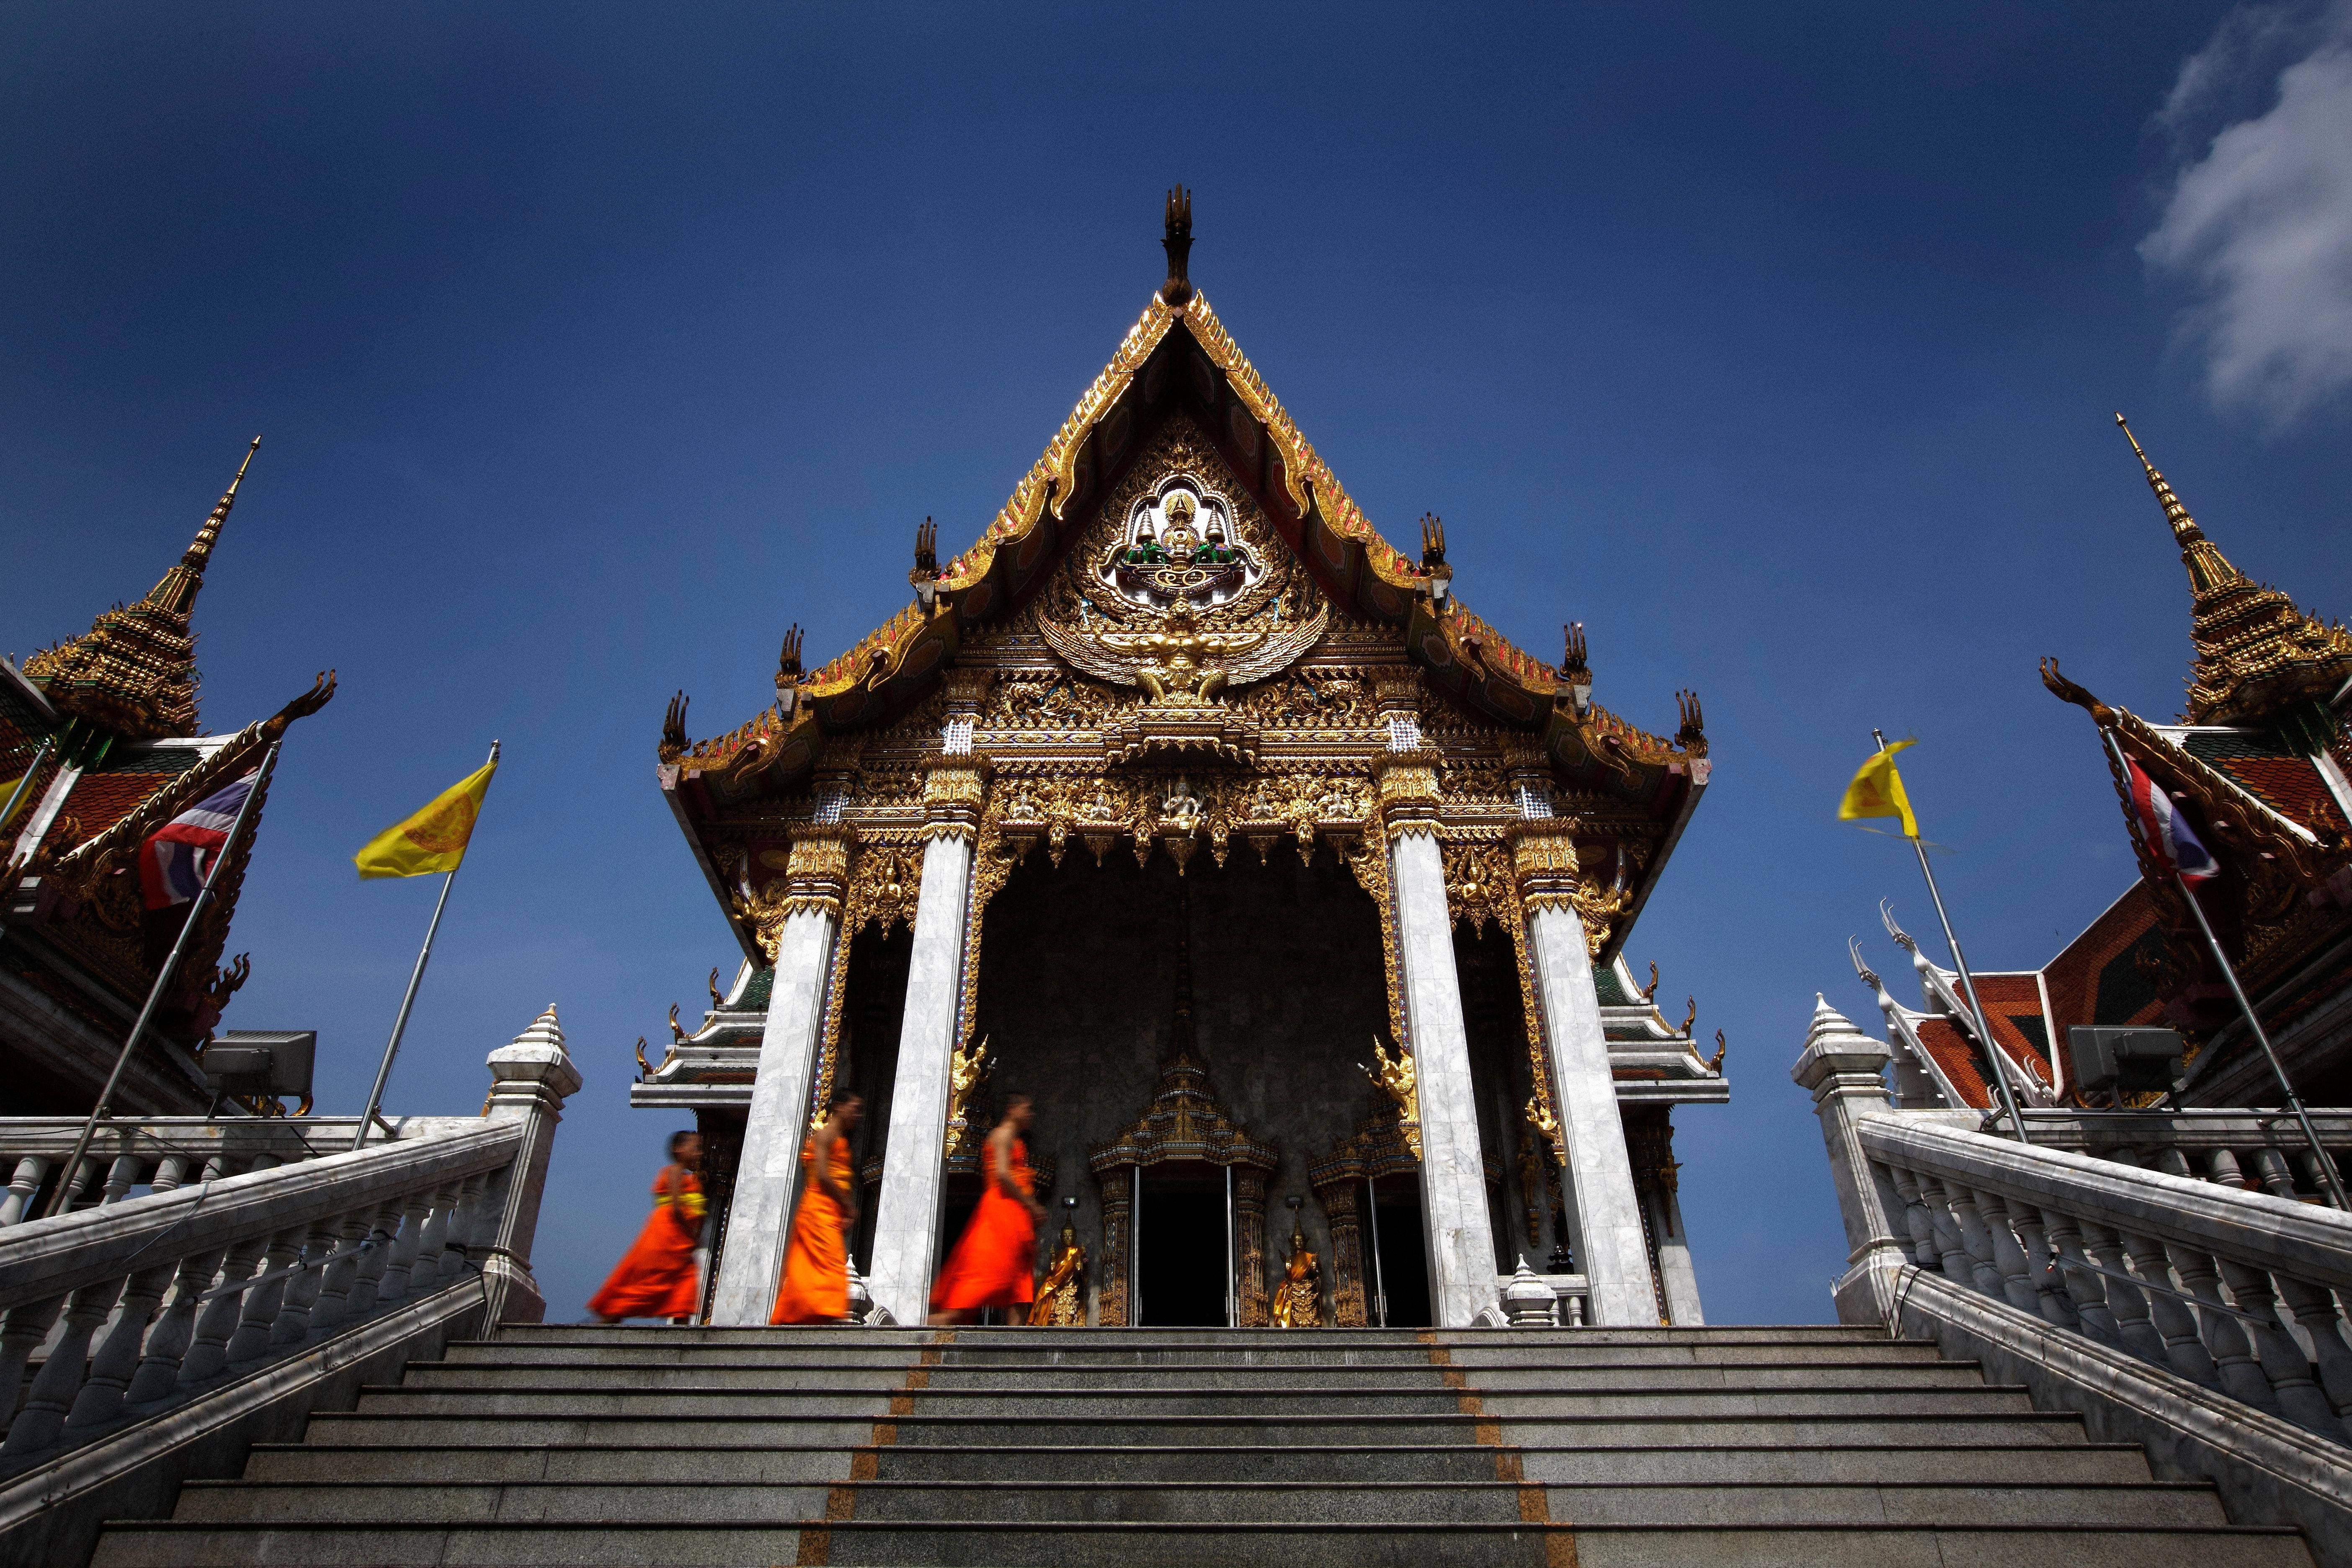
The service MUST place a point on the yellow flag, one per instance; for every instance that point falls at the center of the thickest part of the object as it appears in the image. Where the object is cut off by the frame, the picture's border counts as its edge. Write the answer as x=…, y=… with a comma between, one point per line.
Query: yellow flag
x=435, y=838
x=1877, y=790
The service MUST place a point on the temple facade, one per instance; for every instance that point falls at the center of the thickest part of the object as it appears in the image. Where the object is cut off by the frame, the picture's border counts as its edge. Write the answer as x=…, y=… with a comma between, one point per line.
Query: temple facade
x=2257, y=761
x=1295, y=893
x=100, y=746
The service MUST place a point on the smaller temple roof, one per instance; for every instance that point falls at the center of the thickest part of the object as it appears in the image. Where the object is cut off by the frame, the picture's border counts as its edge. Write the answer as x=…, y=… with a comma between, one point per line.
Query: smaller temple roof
x=134, y=671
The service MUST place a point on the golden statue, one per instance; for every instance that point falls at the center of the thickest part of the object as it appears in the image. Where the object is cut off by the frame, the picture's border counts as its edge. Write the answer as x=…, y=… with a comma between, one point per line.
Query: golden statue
x=1061, y=1301
x=968, y=1068
x=1179, y=663
x=1298, y=1298
x=1395, y=1075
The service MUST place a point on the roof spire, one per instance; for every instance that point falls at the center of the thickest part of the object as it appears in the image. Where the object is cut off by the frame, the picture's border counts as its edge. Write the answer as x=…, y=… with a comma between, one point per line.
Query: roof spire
x=176, y=594
x=2208, y=568
x=2257, y=655
x=134, y=672
x=1177, y=292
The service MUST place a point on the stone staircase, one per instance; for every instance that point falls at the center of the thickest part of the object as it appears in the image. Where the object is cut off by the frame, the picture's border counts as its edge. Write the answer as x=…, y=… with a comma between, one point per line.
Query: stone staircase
x=1358, y=1449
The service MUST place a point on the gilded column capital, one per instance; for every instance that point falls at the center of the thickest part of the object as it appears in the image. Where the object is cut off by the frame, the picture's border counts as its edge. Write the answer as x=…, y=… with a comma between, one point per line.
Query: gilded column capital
x=1407, y=785
x=1543, y=857
x=953, y=793
x=818, y=868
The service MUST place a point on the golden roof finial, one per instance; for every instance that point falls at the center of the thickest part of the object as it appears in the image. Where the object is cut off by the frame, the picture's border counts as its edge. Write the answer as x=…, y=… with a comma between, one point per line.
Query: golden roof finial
x=176, y=594
x=2256, y=653
x=1177, y=292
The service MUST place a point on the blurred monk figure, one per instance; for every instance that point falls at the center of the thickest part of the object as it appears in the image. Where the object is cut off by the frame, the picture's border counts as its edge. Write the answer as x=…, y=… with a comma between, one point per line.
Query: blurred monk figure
x=992, y=1266
x=815, y=1287
x=658, y=1278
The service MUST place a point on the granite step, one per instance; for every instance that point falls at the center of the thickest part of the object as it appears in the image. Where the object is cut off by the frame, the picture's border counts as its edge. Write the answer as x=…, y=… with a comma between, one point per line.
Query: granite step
x=1025, y=1375
x=1165, y=1544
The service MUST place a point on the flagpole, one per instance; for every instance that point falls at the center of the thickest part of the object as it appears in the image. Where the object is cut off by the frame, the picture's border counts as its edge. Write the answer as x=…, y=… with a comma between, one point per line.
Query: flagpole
x=2262, y=1037
x=1968, y=985
x=162, y=977
x=369, y=1118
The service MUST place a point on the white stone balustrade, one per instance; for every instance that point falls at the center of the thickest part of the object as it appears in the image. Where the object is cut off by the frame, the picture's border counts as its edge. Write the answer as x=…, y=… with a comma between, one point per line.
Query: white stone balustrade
x=255, y=1239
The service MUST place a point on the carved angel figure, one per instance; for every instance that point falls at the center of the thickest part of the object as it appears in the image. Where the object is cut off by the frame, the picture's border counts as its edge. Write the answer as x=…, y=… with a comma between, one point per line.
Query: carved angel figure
x=1395, y=1075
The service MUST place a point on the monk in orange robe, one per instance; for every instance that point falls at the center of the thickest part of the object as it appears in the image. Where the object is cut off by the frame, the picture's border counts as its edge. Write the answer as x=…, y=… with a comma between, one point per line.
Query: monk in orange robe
x=993, y=1265
x=815, y=1286
x=658, y=1278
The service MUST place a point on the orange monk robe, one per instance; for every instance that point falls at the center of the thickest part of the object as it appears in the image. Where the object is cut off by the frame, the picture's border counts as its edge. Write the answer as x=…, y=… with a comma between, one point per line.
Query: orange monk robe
x=815, y=1287
x=992, y=1266
x=657, y=1278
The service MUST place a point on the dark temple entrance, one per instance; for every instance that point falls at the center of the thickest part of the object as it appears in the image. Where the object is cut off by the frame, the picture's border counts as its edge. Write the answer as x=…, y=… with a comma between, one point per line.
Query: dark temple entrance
x=1401, y=1258
x=1181, y=1237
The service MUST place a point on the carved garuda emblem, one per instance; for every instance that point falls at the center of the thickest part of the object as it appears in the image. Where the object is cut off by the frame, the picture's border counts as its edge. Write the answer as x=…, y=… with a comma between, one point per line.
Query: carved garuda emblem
x=1179, y=600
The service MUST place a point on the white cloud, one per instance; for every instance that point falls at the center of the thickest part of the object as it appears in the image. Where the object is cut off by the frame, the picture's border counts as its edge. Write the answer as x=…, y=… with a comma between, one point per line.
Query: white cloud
x=2258, y=222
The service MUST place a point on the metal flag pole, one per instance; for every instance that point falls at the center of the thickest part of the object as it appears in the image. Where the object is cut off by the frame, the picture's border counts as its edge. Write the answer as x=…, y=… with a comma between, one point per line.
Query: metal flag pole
x=2245, y=1005
x=162, y=977
x=1968, y=985
x=369, y=1118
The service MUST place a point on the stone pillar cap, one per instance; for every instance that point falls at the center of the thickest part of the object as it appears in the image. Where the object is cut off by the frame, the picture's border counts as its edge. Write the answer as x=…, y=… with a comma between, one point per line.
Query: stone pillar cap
x=537, y=1053
x=1833, y=1044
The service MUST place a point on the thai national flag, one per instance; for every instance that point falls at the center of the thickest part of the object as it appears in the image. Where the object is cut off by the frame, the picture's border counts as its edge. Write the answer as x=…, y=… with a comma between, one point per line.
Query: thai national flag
x=2169, y=835
x=175, y=857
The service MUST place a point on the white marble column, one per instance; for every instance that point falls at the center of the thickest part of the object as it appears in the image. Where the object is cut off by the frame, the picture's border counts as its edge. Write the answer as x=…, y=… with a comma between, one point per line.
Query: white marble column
x=767, y=1175
x=906, y=1221
x=1610, y=1248
x=530, y=1081
x=1845, y=1069
x=1461, y=1280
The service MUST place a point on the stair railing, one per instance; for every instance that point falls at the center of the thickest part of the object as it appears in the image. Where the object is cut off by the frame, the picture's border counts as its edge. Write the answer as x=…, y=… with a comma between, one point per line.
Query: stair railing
x=253, y=1240
x=2140, y=1232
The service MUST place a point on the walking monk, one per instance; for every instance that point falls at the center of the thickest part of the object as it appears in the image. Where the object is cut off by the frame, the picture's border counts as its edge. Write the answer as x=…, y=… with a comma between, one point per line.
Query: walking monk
x=658, y=1278
x=816, y=1286
x=991, y=1266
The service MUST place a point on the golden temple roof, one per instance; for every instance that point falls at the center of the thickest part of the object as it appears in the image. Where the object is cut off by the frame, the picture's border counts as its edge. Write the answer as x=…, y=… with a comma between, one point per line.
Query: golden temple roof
x=2256, y=653
x=134, y=672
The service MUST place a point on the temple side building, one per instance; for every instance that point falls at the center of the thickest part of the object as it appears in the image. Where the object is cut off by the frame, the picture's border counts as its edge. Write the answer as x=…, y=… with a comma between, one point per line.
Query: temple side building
x=106, y=726
x=2258, y=762
x=1296, y=893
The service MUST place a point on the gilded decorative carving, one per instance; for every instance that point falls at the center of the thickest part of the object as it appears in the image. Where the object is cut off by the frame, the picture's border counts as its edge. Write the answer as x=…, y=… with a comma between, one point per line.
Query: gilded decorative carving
x=968, y=1069
x=1368, y=858
x=1338, y=1197
x=1396, y=1077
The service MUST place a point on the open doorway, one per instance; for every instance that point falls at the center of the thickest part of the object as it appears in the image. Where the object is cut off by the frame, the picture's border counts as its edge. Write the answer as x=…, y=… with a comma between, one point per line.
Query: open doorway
x=1399, y=1261
x=1185, y=1250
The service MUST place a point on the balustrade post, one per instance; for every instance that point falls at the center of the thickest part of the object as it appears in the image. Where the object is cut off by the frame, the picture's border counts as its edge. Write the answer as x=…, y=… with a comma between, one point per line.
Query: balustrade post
x=21, y=1334
x=1975, y=1238
x=399, y=1274
x=1951, y=1248
x=42, y=1421
x=2316, y=1313
x=251, y=1339
x=159, y=1368
x=78, y=1181
x=31, y=1170
x=2281, y=1359
x=2225, y=1337
x=121, y=1177
x=117, y=1359
x=426, y=1274
x=2222, y=1166
x=531, y=1079
x=2136, y=1330
x=2270, y=1169
x=2041, y=1276
x=1844, y=1070
x=2086, y=1293
x=2184, y=1343
x=2308, y=1163
x=291, y=1326
x=2009, y=1258
x=1923, y=1251
x=216, y=1319
x=332, y=1305
x=170, y=1171
x=368, y=1280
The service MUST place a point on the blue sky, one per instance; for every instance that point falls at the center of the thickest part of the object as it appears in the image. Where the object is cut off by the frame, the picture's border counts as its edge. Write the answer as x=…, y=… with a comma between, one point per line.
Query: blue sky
x=593, y=345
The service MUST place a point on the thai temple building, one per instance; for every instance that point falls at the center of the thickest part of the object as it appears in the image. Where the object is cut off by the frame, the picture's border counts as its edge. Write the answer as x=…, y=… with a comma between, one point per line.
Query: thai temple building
x=2258, y=759
x=1296, y=894
x=105, y=724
